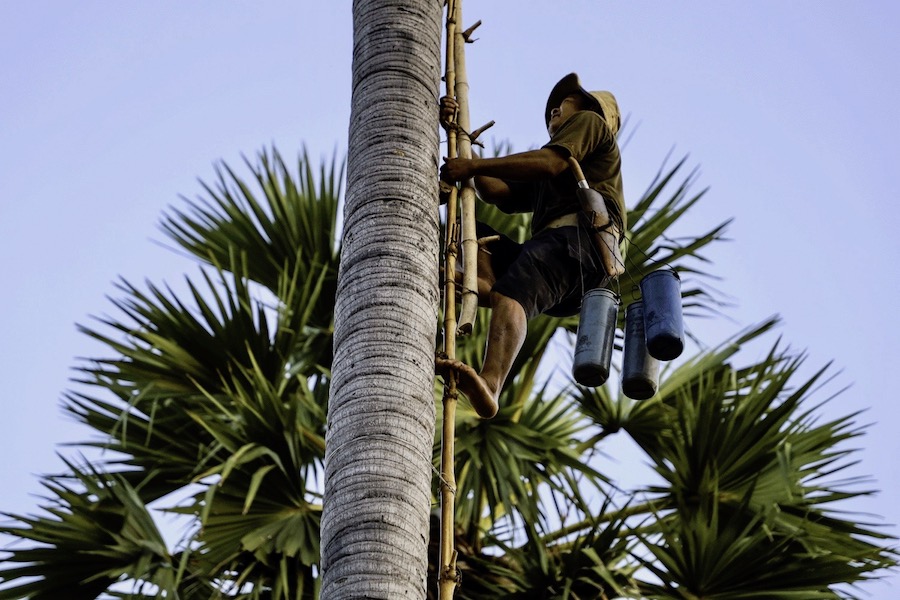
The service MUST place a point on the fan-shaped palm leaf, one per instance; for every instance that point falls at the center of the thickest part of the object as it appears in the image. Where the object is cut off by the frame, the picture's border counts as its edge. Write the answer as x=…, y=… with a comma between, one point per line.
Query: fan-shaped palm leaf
x=97, y=532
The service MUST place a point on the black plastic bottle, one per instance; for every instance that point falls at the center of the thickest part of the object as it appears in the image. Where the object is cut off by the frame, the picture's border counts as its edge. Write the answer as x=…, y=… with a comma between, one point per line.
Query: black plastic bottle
x=640, y=371
x=663, y=321
x=596, y=334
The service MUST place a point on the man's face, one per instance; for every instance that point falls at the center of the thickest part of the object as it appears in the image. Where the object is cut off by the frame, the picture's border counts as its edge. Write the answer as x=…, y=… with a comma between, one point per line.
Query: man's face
x=568, y=107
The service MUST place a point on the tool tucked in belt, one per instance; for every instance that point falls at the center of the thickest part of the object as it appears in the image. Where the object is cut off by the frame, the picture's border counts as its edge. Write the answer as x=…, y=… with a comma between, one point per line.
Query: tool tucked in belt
x=604, y=233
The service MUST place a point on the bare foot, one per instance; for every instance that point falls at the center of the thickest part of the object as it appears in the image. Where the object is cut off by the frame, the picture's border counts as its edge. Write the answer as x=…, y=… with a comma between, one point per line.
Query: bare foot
x=472, y=385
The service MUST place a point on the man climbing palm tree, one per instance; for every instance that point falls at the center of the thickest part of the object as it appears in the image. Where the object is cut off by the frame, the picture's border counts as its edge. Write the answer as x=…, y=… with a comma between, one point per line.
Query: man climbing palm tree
x=549, y=273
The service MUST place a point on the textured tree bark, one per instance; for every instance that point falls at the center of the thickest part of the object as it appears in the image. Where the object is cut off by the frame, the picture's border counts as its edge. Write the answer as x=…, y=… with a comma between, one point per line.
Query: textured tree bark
x=381, y=411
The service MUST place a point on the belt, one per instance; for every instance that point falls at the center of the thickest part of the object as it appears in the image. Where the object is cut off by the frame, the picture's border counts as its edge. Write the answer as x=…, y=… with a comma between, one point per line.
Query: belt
x=569, y=220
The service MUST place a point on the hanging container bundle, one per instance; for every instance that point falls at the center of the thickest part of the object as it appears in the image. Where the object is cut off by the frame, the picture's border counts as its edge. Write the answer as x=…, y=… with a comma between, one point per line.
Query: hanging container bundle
x=596, y=334
x=640, y=371
x=663, y=323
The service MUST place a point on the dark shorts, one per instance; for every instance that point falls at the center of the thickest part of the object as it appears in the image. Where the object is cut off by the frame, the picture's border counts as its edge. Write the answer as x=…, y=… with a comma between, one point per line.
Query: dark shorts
x=548, y=274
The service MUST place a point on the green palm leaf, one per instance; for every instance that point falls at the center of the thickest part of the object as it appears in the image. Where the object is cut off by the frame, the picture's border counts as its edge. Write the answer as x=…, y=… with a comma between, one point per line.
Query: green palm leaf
x=97, y=532
x=737, y=488
x=294, y=217
x=593, y=565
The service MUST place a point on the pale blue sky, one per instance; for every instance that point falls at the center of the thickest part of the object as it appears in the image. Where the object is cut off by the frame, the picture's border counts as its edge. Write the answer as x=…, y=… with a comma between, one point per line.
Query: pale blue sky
x=110, y=110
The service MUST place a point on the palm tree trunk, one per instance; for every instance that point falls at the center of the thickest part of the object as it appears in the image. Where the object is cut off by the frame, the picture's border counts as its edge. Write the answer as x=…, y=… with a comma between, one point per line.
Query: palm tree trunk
x=381, y=411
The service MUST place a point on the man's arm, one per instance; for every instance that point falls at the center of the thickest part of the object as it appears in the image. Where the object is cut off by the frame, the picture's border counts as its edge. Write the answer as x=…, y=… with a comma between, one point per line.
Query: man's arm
x=490, y=173
x=533, y=165
x=492, y=190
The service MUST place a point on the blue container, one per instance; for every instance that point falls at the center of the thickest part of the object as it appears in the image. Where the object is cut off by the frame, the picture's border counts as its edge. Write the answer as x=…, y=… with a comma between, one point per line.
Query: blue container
x=640, y=371
x=596, y=334
x=663, y=321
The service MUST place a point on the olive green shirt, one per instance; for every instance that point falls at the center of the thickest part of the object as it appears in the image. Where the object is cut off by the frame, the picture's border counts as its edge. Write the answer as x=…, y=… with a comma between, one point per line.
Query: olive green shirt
x=586, y=137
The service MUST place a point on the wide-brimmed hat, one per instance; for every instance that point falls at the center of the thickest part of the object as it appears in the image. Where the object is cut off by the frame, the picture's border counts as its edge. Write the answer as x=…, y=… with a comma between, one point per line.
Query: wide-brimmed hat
x=603, y=103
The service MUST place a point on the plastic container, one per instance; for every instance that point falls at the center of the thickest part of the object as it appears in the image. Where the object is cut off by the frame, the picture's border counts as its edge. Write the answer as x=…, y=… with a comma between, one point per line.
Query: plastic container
x=663, y=321
x=596, y=334
x=640, y=371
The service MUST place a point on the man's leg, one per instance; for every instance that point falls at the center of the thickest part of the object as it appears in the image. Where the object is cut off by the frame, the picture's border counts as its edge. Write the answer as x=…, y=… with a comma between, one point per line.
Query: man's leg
x=506, y=334
x=506, y=331
x=486, y=276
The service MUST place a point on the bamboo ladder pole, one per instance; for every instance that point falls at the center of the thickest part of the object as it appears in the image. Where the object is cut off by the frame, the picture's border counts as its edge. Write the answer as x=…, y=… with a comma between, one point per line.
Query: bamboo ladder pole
x=469, y=308
x=448, y=576
x=459, y=145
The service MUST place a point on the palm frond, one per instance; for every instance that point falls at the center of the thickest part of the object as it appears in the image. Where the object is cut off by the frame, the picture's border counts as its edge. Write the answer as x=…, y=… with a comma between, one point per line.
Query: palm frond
x=593, y=565
x=97, y=531
x=294, y=218
x=175, y=356
x=747, y=474
x=715, y=552
x=650, y=245
x=506, y=465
